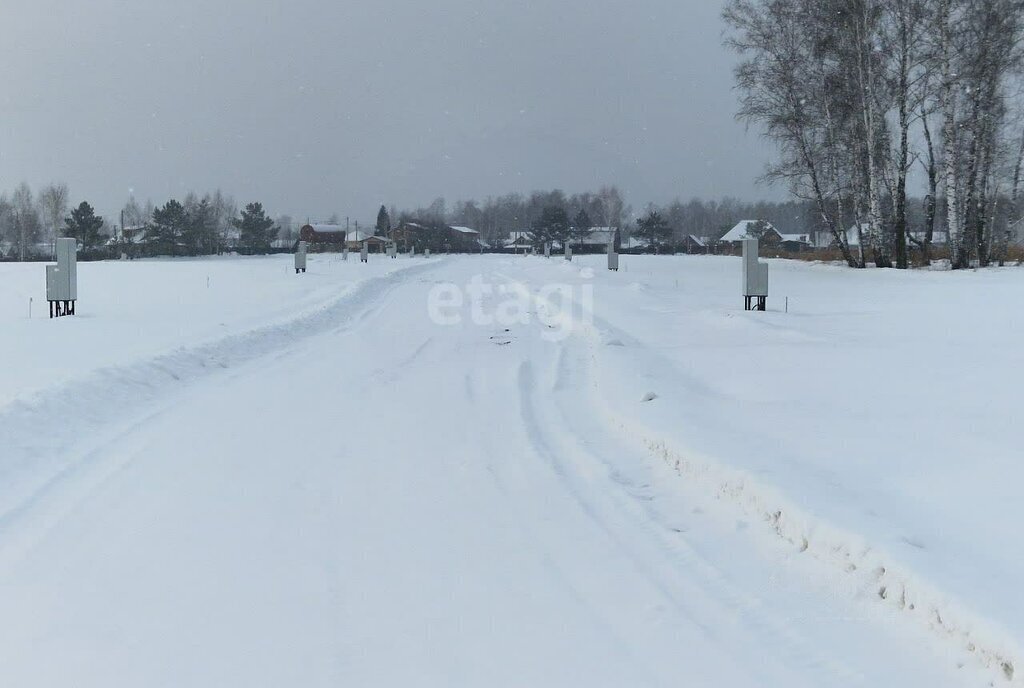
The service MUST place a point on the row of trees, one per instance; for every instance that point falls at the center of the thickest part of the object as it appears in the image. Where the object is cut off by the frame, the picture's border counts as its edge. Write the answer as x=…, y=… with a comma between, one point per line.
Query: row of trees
x=199, y=226
x=856, y=93
x=554, y=225
x=30, y=222
x=499, y=216
x=556, y=216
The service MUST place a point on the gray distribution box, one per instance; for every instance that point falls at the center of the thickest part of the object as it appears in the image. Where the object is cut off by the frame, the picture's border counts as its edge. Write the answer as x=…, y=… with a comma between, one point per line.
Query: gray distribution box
x=55, y=290
x=755, y=273
x=613, y=261
x=300, y=257
x=568, y=252
x=62, y=278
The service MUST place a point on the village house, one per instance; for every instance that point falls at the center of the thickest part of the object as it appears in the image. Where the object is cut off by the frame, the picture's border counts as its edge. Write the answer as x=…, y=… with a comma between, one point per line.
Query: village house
x=323, y=237
x=694, y=244
x=436, y=236
x=767, y=235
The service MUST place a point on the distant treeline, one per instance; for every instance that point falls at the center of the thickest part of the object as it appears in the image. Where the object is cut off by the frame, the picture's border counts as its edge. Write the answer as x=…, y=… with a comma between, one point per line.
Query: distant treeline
x=499, y=217
x=197, y=225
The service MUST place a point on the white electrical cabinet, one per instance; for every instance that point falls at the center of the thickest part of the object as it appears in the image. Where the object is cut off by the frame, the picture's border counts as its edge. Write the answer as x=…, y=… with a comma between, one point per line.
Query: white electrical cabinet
x=62, y=278
x=755, y=273
x=56, y=285
x=755, y=277
x=300, y=257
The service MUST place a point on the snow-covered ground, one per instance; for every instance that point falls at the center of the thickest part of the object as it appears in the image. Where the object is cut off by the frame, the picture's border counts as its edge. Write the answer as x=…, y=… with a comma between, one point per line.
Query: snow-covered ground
x=309, y=480
x=133, y=310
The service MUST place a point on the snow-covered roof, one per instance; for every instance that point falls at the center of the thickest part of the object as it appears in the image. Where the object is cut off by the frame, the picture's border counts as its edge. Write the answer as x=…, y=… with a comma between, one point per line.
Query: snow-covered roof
x=465, y=230
x=634, y=242
x=700, y=241
x=740, y=231
x=598, y=236
x=520, y=238
x=360, y=235
x=799, y=238
x=327, y=228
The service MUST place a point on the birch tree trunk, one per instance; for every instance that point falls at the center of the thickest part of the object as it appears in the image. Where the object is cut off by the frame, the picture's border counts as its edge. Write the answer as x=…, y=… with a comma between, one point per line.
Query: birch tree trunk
x=949, y=137
x=931, y=202
x=866, y=88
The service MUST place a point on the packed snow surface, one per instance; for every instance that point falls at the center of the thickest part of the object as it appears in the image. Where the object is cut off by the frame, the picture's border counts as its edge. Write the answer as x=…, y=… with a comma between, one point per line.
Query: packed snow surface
x=499, y=470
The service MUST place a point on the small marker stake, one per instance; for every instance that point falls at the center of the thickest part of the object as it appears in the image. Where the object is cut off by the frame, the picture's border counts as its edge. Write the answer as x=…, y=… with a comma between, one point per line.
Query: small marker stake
x=30, y=308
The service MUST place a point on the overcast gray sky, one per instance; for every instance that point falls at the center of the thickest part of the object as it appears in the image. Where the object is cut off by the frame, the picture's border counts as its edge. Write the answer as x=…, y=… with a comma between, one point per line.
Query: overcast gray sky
x=316, y=106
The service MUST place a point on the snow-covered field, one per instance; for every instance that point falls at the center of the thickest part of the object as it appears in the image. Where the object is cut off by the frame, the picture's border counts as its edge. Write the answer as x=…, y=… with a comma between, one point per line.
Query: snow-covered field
x=584, y=478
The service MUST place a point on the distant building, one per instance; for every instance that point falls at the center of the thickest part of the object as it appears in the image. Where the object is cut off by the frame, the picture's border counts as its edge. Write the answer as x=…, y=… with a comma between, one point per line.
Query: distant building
x=374, y=244
x=436, y=236
x=766, y=233
x=517, y=240
x=597, y=240
x=633, y=244
x=323, y=237
x=466, y=233
x=695, y=244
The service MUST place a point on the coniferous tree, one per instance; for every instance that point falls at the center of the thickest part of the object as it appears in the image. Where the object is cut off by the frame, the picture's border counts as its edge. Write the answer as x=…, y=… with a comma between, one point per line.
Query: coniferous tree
x=257, y=231
x=165, y=232
x=199, y=234
x=581, y=225
x=383, y=222
x=84, y=225
x=552, y=225
x=654, y=229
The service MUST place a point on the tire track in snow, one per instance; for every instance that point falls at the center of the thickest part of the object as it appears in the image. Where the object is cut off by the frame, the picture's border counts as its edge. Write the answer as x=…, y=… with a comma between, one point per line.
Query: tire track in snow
x=56, y=441
x=692, y=586
x=574, y=373
x=896, y=587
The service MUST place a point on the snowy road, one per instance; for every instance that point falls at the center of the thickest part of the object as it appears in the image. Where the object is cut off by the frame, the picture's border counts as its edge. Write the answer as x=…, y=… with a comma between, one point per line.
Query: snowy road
x=421, y=505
